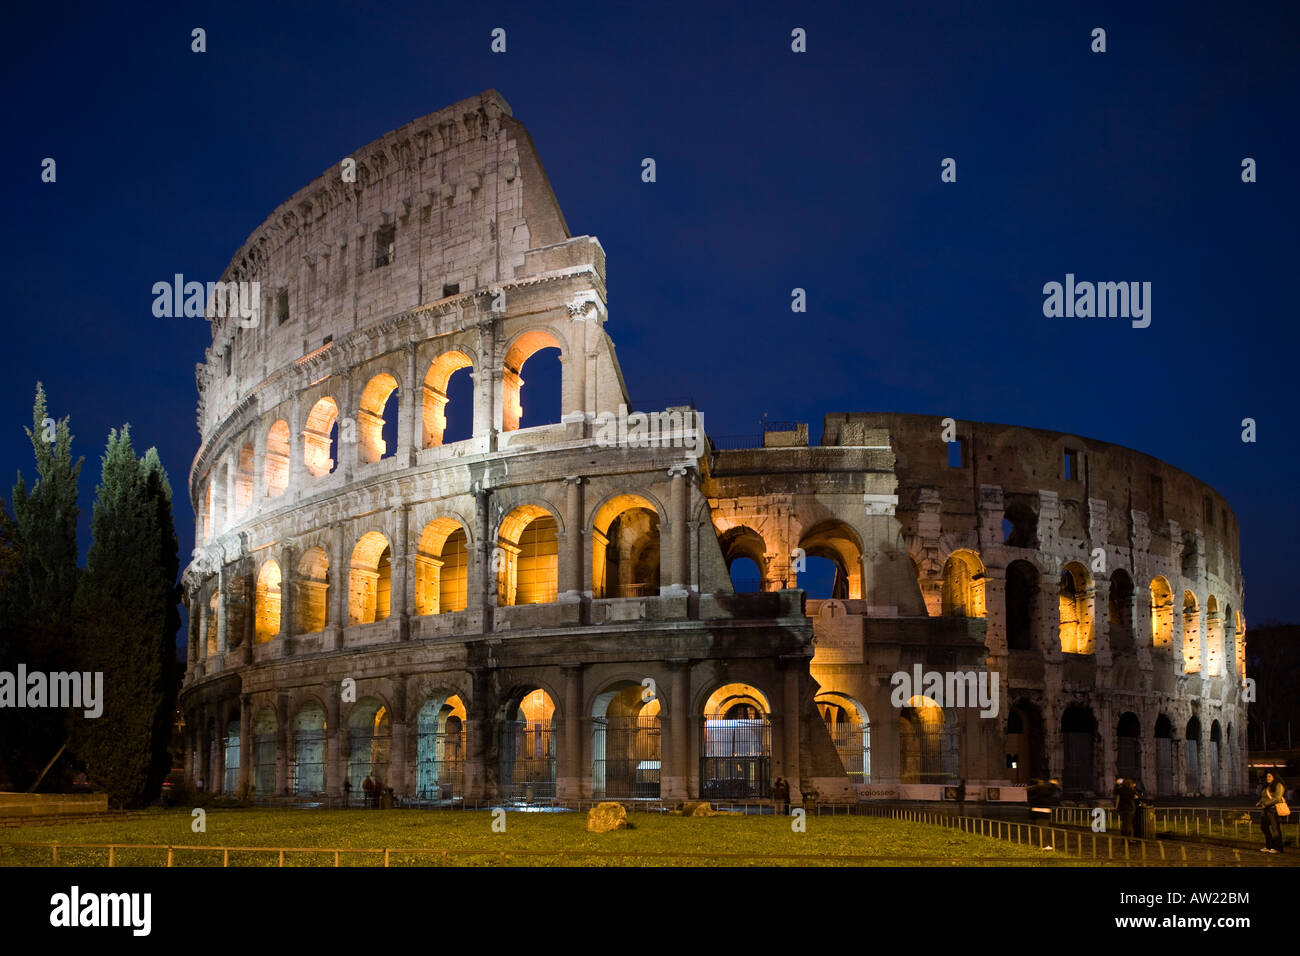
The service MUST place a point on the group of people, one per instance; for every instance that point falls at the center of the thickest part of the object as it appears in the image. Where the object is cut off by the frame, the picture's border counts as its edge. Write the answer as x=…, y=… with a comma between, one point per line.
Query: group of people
x=1129, y=799
x=376, y=795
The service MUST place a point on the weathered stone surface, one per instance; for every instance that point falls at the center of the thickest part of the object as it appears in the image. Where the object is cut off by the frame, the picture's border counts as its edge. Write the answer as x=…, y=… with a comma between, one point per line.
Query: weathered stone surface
x=604, y=817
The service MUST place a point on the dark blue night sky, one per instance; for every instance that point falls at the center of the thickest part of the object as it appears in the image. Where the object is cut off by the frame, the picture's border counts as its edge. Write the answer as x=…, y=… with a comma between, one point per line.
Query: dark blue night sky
x=775, y=170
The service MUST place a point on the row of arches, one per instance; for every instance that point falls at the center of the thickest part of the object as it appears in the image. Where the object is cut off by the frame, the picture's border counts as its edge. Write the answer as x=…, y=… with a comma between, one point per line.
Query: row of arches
x=827, y=564
x=1205, y=761
x=446, y=415
x=625, y=554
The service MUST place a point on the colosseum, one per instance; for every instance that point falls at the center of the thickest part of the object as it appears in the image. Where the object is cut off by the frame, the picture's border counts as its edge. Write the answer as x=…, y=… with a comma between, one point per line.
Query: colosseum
x=398, y=577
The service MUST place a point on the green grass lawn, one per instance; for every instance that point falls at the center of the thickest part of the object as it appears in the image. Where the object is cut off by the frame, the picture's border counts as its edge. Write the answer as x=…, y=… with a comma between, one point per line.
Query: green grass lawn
x=530, y=839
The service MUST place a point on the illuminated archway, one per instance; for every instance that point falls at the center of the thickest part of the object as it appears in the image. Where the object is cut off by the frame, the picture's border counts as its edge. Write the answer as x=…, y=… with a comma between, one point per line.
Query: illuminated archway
x=521, y=350
x=835, y=542
x=275, y=464
x=1074, y=601
x=736, y=756
x=369, y=580
x=745, y=552
x=625, y=548
x=307, y=768
x=927, y=743
x=1213, y=638
x=378, y=412
x=244, y=479
x=626, y=743
x=440, y=748
x=442, y=568
x=528, y=747
x=437, y=400
x=369, y=747
x=313, y=591
x=963, y=585
x=527, y=557
x=267, y=611
x=850, y=729
x=1191, y=634
x=1162, y=614
x=319, y=436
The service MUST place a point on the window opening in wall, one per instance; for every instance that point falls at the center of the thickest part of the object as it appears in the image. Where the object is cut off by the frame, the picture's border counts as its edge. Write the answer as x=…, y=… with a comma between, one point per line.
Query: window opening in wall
x=451, y=288
x=328, y=339
x=282, y=307
x=226, y=359
x=956, y=453
x=1071, y=465
x=385, y=246
x=1209, y=512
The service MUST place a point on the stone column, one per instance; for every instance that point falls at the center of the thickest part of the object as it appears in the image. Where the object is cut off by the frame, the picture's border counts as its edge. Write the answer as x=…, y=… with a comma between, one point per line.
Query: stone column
x=487, y=387
x=223, y=610
x=402, y=594
x=288, y=595
x=574, y=387
x=340, y=564
x=297, y=465
x=790, y=723
x=484, y=584
x=218, y=756
x=408, y=429
x=572, y=568
x=245, y=744
x=1049, y=616
x=679, y=569
x=334, y=733
x=674, y=781
x=397, y=770
x=205, y=747
x=479, y=725
x=284, y=743
x=569, y=784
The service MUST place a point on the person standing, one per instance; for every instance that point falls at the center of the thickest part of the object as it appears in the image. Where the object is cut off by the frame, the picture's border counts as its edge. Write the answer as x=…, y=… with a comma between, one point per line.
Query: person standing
x=1273, y=800
x=1125, y=805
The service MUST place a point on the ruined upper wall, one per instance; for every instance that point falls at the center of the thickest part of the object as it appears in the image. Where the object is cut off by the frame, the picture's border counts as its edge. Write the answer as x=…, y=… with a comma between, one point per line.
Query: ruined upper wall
x=462, y=197
x=1027, y=461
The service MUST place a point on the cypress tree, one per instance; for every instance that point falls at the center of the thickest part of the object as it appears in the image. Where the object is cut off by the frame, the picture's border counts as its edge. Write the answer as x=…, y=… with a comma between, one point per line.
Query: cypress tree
x=126, y=609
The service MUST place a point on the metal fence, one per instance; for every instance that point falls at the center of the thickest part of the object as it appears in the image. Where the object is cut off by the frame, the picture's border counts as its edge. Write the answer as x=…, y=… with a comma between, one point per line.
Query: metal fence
x=1236, y=823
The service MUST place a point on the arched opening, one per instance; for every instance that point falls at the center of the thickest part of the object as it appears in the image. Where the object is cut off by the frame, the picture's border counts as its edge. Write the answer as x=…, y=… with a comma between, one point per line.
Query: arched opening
x=546, y=371
x=369, y=748
x=377, y=418
x=265, y=731
x=1213, y=638
x=1128, y=746
x=1076, y=617
x=1164, y=736
x=1191, y=634
x=275, y=465
x=736, y=756
x=927, y=743
x=963, y=585
x=1025, y=750
x=320, y=437
x=267, y=611
x=205, y=508
x=1020, y=525
x=231, y=745
x=440, y=748
x=307, y=770
x=212, y=624
x=448, y=400
x=1162, y=614
x=626, y=743
x=1078, y=734
x=244, y=479
x=837, y=545
x=746, y=555
x=625, y=548
x=850, y=729
x=313, y=591
x=369, y=580
x=1216, y=746
x=442, y=568
x=1119, y=611
x=1192, y=761
x=528, y=748
x=527, y=557
x=1239, y=636
x=1021, y=595
x=220, y=503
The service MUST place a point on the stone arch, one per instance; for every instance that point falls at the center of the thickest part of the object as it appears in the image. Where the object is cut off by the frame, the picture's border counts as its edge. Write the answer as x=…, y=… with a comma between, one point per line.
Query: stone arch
x=1079, y=742
x=313, y=591
x=1026, y=748
x=370, y=579
x=962, y=592
x=307, y=756
x=528, y=748
x=1128, y=746
x=926, y=743
x=743, y=542
x=526, y=560
x=626, y=742
x=1073, y=598
x=736, y=752
x=1164, y=738
x=1215, y=754
x=1019, y=525
x=319, y=436
x=214, y=599
x=850, y=728
x=1213, y=638
x=838, y=543
x=625, y=547
x=1021, y=612
x=369, y=745
x=275, y=462
x=441, y=746
x=1162, y=614
x=266, y=737
x=523, y=347
x=442, y=567
x=437, y=382
x=380, y=393
x=1191, y=634
x=267, y=605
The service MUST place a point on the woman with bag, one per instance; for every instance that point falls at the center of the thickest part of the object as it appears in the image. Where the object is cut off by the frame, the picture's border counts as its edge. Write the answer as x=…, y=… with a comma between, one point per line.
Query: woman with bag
x=1273, y=800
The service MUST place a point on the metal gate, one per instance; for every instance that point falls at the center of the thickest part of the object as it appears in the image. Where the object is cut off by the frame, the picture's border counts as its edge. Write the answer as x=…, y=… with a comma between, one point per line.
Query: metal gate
x=231, y=782
x=1164, y=766
x=849, y=744
x=440, y=771
x=736, y=763
x=307, y=772
x=1214, y=768
x=1193, y=777
x=527, y=761
x=264, y=765
x=626, y=755
x=1128, y=757
x=1078, y=762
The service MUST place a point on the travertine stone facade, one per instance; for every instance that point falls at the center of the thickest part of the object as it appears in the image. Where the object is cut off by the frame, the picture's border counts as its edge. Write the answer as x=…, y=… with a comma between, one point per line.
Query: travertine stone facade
x=534, y=612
